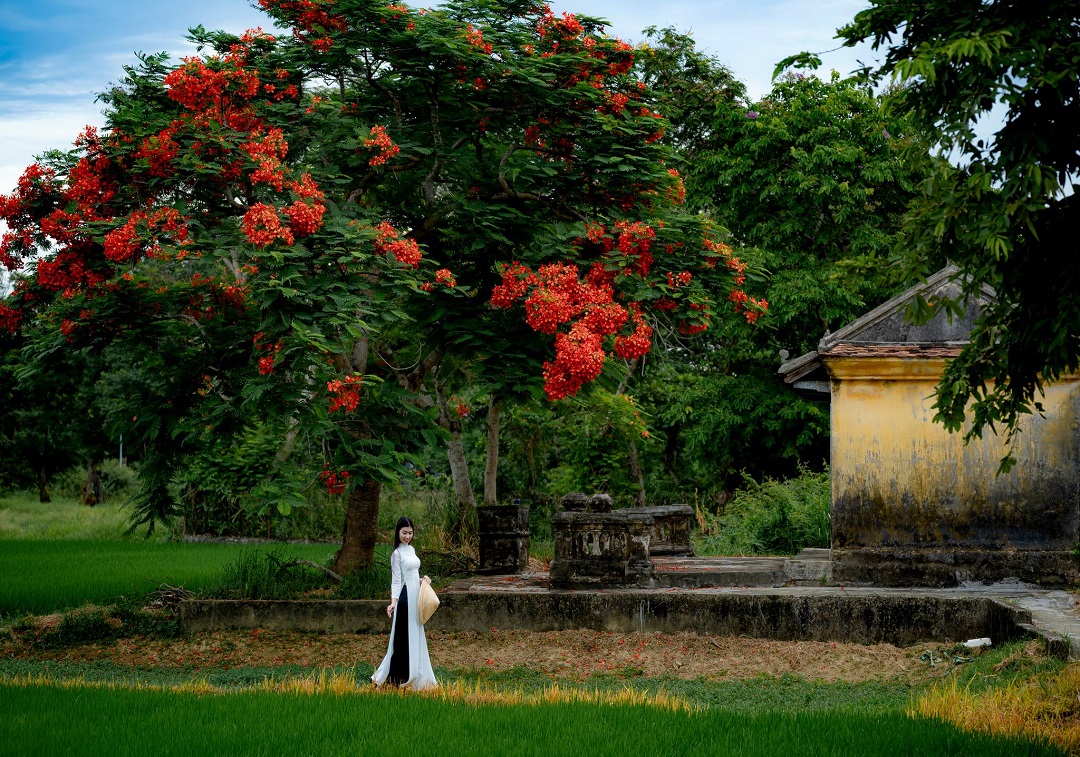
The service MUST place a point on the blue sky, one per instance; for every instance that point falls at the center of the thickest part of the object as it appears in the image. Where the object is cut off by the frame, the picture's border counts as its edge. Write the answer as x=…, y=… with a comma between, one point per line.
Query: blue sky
x=55, y=55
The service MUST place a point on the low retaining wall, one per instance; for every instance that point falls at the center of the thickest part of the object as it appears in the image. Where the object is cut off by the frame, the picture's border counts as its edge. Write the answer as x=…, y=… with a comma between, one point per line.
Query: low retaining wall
x=850, y=617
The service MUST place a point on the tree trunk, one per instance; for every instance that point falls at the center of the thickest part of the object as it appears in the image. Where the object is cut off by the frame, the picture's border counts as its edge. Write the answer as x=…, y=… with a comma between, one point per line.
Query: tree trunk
x=43, y=485
x=462, y=528
x=92, y=493
x=635, y=468
x=491, y=468
x=361, y=529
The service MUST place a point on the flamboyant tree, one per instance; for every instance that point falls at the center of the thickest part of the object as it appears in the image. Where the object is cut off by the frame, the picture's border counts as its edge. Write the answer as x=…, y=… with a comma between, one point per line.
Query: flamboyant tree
x=305, y=228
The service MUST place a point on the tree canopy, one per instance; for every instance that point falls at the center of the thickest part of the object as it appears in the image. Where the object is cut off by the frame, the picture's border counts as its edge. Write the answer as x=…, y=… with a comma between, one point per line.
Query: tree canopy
x=302, y=229
x=1000, y=205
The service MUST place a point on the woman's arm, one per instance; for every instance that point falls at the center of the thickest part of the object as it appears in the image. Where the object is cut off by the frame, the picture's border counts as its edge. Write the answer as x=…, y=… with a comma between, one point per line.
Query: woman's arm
x=396, y=581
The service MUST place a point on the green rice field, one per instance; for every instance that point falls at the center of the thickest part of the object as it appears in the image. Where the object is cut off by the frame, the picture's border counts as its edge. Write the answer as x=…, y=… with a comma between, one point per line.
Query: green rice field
x=37, y=719
x=60, y=555
x=44, y=575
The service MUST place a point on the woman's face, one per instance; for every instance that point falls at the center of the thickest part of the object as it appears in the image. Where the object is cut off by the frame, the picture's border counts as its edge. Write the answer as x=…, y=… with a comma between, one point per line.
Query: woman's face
x=405, y=535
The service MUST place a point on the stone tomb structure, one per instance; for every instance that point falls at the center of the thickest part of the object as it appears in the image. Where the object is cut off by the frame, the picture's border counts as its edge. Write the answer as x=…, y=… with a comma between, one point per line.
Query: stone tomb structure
x=596, y=546
x=912, y=505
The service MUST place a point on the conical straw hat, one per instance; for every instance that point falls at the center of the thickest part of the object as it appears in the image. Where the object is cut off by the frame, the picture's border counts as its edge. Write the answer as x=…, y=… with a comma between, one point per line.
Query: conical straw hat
x=428, y=602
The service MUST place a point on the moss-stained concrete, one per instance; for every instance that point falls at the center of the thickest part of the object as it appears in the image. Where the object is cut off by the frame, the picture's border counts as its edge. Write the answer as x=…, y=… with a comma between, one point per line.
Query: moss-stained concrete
x=913, y=505
x=859, y=617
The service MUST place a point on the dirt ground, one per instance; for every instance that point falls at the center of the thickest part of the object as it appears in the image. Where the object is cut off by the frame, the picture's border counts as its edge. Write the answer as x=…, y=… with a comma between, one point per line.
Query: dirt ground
x=571, y=655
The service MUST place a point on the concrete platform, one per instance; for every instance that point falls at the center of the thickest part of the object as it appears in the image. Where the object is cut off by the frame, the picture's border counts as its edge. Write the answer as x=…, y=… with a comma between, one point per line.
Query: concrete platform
x=866, y=615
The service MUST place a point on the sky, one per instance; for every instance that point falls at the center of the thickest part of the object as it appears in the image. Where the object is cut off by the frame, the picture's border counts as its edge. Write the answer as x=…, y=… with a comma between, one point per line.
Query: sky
x=56, y=55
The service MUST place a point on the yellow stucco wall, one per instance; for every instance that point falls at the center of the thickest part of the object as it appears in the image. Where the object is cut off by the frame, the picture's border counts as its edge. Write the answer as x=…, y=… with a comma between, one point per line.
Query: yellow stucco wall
x=901, y=481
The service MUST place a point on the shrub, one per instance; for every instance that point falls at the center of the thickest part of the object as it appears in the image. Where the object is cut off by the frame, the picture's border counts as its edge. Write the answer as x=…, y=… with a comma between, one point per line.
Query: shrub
x=91, y=624
x=369, y=583
x=267, y=575
x=771, y=517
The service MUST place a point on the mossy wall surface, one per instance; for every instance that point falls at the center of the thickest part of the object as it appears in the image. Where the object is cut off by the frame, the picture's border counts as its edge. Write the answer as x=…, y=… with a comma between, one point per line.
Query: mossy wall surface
x=905, y=492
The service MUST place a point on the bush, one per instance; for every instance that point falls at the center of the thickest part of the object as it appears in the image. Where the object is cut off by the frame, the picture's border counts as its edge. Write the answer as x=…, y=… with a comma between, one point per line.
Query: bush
x=92, y=624
x=117, y=483
x=772, y=517
x=267, y=575
x=370, y=583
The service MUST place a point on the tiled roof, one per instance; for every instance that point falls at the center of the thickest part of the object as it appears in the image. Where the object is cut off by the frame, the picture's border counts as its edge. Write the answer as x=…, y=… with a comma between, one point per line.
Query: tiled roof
x=924, y=351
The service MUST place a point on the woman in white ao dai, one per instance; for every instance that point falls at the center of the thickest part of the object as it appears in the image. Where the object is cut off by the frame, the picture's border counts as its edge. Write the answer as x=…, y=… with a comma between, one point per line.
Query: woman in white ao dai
x=407, y=662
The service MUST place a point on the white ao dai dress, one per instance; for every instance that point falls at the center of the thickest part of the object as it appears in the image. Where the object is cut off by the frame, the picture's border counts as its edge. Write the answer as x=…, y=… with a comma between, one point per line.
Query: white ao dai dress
x=405, y=587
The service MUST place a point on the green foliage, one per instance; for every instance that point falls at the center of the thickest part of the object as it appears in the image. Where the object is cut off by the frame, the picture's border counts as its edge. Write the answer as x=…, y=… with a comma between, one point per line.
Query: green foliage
x=90, y=624
x=269, y=574
x=813, y=175
x=118, y=483
x=809, y=178
x=690, y=88
x=771, y=517
x=239, y=486
x=367, y=583
x=713, y=425
x=999, y=205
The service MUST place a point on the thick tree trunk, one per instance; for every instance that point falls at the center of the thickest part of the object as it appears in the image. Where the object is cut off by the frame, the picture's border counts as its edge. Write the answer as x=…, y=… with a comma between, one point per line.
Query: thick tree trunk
x=92, y=493
x=491, y=467
x=361, y=529
x=43, y=485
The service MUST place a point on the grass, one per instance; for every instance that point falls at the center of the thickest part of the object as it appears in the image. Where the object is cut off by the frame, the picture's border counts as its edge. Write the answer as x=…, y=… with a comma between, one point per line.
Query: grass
x=23, y=517
x=1047, y=704
x=43, y=575
x=330, y=716
x=787, y=694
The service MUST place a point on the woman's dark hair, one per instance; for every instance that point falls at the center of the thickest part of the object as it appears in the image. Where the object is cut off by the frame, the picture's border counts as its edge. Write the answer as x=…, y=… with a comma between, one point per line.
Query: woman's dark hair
x=402, y=522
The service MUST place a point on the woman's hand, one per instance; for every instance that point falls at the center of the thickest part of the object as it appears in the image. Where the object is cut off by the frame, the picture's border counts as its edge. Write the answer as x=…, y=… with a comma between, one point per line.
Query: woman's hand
x=390, y=609
x=425, y=578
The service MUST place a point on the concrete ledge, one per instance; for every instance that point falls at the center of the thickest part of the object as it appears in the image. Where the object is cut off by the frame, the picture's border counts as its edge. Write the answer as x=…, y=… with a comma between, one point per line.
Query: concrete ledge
x=864, y=618
x=937, y=567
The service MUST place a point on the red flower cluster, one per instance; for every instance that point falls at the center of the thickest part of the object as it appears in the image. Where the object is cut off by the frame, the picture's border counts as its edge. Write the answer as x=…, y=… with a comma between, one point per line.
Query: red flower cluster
x=262, y=226
x=203, y=88
x=751, y=307
x=268, y=150
x=344, y=394
x=475, y=37
x=311, y=21
x=677, y=191
x=461, y=410
x=579, y=358
x=379, y=142
x=304, y=219
x=266, y=362
x=405, y=251
x=560, y=297
x=444, y=276
x=9, y=318
x=638, y=343
x=336, y=482
x=632, y=239
x=123, y=244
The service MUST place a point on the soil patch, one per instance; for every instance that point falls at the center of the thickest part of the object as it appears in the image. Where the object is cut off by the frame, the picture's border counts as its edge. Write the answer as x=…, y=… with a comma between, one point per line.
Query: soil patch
x=573, y=655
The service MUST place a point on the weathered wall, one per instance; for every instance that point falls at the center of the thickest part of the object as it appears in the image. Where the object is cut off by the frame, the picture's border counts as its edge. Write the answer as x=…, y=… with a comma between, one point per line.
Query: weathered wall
x=911, y=503
x=862, y=618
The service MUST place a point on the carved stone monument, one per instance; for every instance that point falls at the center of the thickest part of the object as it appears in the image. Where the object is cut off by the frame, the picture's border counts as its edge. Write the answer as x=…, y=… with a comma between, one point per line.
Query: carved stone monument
x=601, y=549
x=671, y=529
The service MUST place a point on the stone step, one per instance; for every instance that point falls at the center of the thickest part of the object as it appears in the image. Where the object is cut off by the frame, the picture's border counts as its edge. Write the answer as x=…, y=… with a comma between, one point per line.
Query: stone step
x=811, y=567
x=700, y=572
